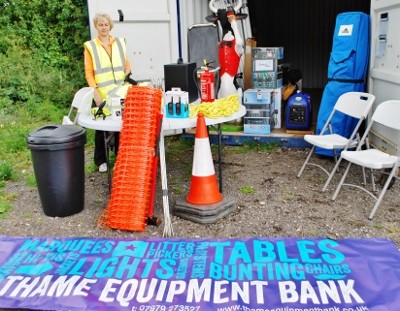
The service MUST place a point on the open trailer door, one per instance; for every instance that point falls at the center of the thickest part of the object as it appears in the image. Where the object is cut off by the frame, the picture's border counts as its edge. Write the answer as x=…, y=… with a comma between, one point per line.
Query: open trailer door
x=384, y=74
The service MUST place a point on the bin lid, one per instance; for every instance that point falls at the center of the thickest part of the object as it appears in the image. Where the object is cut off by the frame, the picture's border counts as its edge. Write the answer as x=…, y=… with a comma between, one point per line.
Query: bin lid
x=56, y=134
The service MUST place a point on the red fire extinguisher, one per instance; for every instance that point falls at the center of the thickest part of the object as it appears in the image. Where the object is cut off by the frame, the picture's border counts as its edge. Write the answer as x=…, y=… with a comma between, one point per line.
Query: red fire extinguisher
x=207, y=84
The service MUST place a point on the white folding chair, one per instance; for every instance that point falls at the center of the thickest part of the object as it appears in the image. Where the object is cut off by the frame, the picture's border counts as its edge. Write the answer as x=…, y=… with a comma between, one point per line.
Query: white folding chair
x=354, y=104
x=387, y=115
x=81, y=103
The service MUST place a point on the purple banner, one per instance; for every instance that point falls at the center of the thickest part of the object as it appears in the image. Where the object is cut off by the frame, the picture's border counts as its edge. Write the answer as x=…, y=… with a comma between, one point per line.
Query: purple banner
x=264, y=274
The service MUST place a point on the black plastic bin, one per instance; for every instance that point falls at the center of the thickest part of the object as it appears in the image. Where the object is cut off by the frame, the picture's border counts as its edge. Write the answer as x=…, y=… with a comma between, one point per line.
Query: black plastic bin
x=59, y=166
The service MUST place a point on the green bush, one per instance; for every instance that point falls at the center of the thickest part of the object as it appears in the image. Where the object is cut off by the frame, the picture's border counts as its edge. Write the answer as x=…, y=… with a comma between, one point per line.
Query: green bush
x=41, y=51
x=41, y=61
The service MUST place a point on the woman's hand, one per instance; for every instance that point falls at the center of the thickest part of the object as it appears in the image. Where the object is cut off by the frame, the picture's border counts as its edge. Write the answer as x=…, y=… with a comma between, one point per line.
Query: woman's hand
x=97, y=97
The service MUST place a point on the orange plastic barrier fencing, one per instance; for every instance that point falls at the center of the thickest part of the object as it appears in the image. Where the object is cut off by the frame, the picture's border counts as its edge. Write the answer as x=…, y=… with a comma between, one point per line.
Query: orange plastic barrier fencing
x=132, y=181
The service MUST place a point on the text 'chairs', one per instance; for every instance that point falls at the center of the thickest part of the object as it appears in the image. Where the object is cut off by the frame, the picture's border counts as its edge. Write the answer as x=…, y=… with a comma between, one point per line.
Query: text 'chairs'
x=354, y=104
x=82, y=101
x=387, y=115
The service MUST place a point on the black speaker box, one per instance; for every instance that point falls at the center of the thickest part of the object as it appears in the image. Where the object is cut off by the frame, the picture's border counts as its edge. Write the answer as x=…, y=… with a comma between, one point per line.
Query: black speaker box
x=181, y=75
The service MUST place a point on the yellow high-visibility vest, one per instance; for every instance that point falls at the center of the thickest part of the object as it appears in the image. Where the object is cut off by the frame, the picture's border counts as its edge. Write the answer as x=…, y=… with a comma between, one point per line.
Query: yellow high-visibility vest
x=108, y=71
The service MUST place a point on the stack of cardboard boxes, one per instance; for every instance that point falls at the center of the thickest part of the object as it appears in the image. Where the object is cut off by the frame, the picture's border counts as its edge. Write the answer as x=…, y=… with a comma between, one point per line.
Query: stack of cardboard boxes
x=263, y=100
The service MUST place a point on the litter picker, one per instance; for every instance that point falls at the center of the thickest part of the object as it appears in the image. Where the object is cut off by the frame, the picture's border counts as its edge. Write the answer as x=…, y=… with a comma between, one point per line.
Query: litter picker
x=168, y=229
x=151, y=219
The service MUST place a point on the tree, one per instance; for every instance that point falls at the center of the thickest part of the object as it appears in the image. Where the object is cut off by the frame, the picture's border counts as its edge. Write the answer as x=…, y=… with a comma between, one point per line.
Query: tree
x=41, y=49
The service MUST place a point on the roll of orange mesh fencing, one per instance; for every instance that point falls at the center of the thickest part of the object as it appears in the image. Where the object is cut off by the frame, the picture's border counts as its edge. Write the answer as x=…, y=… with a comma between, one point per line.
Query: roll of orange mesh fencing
x=132, y=179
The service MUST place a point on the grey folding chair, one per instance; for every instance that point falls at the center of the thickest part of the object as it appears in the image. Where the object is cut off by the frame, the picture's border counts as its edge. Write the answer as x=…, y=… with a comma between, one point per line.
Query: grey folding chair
x=82, y=101
x=387, y=115
x=203, y=44
x=354, y=104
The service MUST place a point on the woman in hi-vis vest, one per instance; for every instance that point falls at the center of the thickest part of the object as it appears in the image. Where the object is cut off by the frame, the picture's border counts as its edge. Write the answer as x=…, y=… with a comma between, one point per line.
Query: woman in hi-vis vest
x=106, y=66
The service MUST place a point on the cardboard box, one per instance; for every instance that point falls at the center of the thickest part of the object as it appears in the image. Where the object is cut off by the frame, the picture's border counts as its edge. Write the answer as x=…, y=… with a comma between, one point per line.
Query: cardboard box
x=176, y=103
x=248, y=65
x=117, y=105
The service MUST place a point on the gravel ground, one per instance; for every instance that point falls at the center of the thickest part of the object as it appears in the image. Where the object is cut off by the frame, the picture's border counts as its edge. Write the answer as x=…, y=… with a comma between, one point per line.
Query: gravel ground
x=281, y=205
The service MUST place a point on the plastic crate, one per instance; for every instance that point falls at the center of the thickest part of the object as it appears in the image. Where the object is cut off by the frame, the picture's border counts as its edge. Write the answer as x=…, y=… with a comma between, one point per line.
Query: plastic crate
x=257, y=125
x=258, y=113
x=257, y=97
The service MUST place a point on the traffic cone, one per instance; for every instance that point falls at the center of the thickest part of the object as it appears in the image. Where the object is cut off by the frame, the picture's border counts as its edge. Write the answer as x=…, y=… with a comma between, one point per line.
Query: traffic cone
x=203, y=188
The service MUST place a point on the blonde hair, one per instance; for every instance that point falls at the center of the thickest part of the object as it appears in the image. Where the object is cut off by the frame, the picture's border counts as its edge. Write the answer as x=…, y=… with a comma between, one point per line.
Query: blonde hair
x=98, y=16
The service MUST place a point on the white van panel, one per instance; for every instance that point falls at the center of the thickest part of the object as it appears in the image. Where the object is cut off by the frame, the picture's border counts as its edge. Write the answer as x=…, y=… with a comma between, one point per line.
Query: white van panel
x=384, y=75
x=149, y=27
